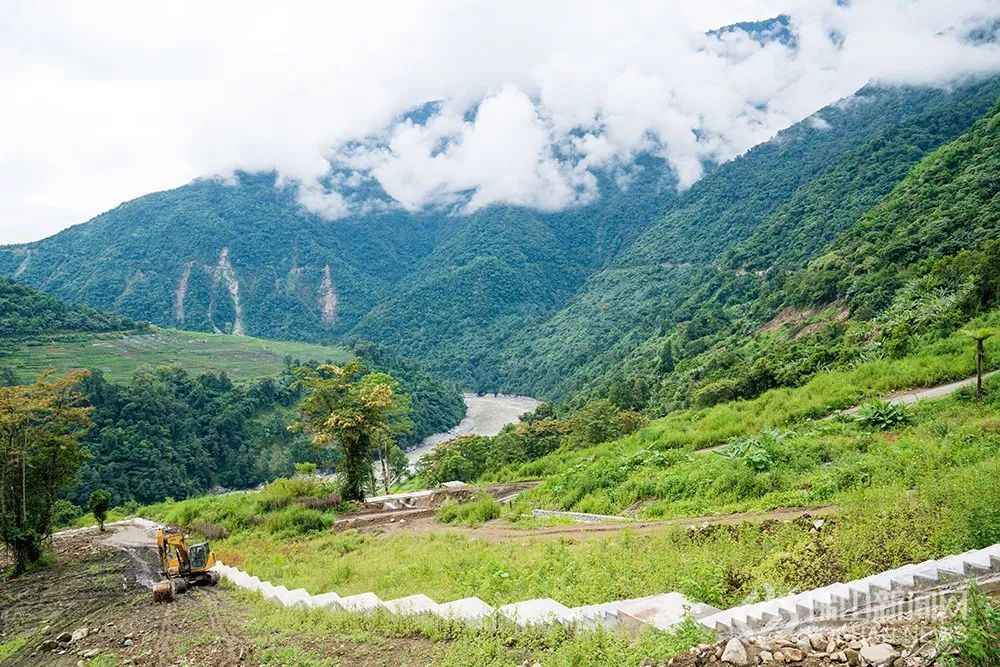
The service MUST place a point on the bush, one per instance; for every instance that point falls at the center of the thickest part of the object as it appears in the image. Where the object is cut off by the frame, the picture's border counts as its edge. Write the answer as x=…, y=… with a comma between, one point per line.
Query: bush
x=100, y=503
x=475, y=512
x=973, y=638
x=64, y=513
x=882, y=415
x=298, y=520
x=305, y=469
x=211, y=531
x=280, y=493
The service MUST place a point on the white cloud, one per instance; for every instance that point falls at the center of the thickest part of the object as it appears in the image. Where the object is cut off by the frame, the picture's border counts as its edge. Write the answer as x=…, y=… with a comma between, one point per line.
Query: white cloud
x=105, y=101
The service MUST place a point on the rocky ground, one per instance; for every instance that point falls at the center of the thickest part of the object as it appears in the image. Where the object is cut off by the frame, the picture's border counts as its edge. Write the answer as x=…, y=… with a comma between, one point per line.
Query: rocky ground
x=903, y=642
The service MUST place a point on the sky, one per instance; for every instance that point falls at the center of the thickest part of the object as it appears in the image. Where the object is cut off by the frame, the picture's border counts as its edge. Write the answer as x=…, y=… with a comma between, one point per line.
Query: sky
x=106, y=101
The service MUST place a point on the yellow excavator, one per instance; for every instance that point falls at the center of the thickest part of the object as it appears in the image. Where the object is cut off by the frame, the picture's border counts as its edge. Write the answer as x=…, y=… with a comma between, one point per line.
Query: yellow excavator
x=182, y=565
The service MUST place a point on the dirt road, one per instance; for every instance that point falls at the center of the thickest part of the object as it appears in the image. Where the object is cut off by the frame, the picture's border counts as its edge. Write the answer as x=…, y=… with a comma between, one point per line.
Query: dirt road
x=913, y=395
x=498, y=531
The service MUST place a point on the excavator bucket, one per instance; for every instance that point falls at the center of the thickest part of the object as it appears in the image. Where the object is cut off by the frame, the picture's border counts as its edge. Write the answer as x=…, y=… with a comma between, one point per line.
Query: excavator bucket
x=163, y=591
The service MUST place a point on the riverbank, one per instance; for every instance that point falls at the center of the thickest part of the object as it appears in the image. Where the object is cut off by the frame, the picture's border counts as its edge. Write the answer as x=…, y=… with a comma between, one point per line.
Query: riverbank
x=484, y=415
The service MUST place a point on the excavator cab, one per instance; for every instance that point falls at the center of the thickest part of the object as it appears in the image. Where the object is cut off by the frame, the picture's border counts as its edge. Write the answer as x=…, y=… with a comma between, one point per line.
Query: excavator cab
x=182, y=565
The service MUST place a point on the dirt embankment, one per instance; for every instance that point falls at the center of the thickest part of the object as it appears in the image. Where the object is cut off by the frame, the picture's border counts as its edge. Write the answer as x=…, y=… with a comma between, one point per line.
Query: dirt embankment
x=96, y=596
x=93, y=606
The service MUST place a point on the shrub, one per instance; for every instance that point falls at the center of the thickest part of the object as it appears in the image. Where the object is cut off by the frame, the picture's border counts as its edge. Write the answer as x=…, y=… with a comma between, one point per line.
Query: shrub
x=298, y=520
x=475, y=512
x=211, y=531
x=330, y=501
x=305, y=469
x=64, y=513
x=974, y=637
x=282, y=492
x=100, y=503
x=882, y=415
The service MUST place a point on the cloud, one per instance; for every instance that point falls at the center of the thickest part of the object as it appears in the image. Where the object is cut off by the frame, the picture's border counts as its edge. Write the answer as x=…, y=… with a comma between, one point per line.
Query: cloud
x=106, y=101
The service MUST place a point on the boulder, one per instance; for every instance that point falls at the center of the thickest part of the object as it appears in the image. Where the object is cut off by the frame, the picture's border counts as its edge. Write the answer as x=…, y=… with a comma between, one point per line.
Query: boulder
x=879, y=654
x=735, y=653
x=818, y=642
x=794, y=655
x=78, y=634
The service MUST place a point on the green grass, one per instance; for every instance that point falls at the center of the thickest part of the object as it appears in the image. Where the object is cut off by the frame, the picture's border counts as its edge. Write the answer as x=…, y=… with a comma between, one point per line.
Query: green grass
x=609, y=477
x=11, y=647
x=474, y=512
x=119, y=354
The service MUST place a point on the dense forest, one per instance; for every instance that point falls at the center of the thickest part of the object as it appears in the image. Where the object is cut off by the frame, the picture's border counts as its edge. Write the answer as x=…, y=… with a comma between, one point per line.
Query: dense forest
x=25, y=311
x=169, y=433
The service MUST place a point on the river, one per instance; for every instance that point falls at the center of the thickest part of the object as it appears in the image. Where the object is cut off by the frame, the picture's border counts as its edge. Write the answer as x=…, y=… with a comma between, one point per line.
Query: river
x=484, y=415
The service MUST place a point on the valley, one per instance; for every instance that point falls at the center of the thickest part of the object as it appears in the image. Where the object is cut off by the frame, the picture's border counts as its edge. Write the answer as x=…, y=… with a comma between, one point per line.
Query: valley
x=642, y=344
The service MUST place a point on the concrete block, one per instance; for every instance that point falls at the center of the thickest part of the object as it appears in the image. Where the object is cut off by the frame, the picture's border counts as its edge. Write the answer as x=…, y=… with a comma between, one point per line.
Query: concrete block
x=326, y=600
x=299, y=597
x=469, y=610
x=412, y=604
x=539, y=611
x=361, y=602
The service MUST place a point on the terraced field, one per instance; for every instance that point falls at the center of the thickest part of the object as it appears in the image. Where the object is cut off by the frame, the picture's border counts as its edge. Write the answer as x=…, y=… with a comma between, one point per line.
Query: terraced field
x=118, y=354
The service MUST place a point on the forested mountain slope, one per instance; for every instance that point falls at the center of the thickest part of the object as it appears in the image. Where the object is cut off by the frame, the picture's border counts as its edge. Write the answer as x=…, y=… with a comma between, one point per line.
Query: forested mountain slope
x=509, y=298
x=497, y=271
x=214, y=257
x=807, y=184
x=25, y=311
x=921, y=261
x=249, y=259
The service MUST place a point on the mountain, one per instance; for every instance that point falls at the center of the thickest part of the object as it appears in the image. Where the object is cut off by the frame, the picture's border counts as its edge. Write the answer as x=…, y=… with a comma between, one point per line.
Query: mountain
x=248, y=259
x=508, y=298
x=735, y=233
x=905, y=259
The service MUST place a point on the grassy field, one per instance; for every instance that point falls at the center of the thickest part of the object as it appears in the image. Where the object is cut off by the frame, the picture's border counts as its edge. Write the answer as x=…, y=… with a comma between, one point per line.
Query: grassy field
x=117, y=355
x=921, y=490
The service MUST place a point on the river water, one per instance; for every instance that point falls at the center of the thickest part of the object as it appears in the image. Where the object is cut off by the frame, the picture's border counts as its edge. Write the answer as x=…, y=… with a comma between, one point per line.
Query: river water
x=484, y=415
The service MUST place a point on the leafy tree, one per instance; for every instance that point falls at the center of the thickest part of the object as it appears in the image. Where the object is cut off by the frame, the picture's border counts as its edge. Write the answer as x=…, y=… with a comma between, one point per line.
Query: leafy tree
x=353, y=410
x=99, y=503
x=40, y=429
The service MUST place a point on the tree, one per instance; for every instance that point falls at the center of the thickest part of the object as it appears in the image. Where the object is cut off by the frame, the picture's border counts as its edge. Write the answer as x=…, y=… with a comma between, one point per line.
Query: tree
x=40, y=429
x=99, y=503
x=353, y=410
x=980, y=336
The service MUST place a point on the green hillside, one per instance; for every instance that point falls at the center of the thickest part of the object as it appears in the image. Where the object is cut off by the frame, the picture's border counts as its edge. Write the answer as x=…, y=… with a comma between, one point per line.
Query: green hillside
x=25, y=311
x=699, y=268
x=506, y=298
x=176, y=413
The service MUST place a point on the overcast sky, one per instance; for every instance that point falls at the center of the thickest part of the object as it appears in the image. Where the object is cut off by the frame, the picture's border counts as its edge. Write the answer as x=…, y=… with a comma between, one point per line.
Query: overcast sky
x=106, y=101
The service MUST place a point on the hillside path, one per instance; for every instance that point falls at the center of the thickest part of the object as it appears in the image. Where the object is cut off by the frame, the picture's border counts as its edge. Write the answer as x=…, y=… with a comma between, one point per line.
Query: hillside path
x=910, y=396
x=497, y=531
